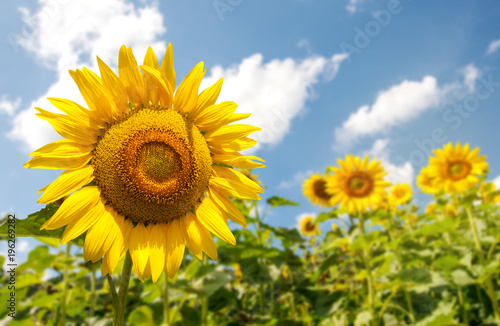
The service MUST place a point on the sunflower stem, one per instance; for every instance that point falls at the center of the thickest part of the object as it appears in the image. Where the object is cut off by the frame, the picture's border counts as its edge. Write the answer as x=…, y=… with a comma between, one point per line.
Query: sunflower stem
x=92, y=293
x=490, y=289
x=62, y=319
x=120, y=300
x=366, y=259
x=204, y=299
x=166, y=302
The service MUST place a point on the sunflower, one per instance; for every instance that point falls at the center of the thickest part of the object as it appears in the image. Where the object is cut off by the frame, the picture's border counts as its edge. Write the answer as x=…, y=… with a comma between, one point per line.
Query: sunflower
x=451, y=210
x=456, y=169
x=430, y=208
x=426, y=182
x=314, y=189
x=357, y=184
x=486, y=190
x=307, y=226
x=400, y=193
x=149, y=171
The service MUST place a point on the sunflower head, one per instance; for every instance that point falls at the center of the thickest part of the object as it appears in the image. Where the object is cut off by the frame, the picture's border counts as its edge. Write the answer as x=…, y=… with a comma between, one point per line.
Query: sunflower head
x=315, y=190
x=357, y=184
x=426, y=182
x=430, y=208
x=450, y=210
x=161, y=160
x=400, y=193
x=456, y=168
x=307, y=226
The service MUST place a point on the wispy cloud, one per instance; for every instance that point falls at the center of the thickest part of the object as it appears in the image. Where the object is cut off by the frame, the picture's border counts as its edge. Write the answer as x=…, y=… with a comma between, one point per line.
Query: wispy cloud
x=403, y=173
x=493, y=47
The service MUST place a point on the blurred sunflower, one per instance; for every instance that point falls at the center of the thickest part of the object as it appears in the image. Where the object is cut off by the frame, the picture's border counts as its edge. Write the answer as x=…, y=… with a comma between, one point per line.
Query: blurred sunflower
x=307, y=226
x=451, y=210
x=314, y=189
x=486, y=189
x=357, y=184
x=426, y=182
x=456, y=169
x=158, y=163
x=430, y=208
x=400, y=193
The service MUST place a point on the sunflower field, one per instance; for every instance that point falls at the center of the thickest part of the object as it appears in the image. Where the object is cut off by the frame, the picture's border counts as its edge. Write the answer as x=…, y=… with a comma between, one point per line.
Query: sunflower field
x=151, y=169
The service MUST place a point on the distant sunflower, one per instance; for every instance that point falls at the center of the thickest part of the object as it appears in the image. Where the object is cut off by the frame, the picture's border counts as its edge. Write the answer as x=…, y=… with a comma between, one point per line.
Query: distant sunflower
x=426, y=182
x=158, y=162
x=358, y=184
x=400, y=193
x=307, y=226
x=314, y=189
x=486, y=190
x=430, y=208
x=456, y=169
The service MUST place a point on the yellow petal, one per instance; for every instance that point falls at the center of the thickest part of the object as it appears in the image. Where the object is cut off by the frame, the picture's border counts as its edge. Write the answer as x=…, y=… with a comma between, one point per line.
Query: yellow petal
x=191, y=234
x=215, y=116
x=139, y=249
x=150, y=59
x=157, y=248
x=207, y=98
x=210, y=217
x=119, y=245
x=225, y=204
x=77, y=227
x=157, y=86
x=226, y=188
x=186, y=95
x=67, y=128
x=229, y=133
x=167, y=67
x=130, y=75
x=76, y=112
x=58, y=163
x=237, y=179
x=100, y=236
x=66, y=183
x=238, y=161
x=114, y=87
x=240, y=144
x=175, y=248
x=63, y=148
x=73, y=208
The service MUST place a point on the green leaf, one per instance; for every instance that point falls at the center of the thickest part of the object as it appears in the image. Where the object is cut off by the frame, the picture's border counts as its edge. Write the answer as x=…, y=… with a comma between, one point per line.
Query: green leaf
x=460, y=277
x=213, y=282
x=324, y=216
x=276, y=201
x=141, y=316
x=414, y=275
x=30, y=226
x=443, y=315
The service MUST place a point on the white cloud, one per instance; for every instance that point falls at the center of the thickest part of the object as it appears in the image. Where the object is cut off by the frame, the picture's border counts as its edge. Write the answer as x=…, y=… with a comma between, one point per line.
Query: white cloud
x=9, y=106
x=471, y=74
x=493, y=47
x=296, y=180
x=496, y=181
x=352, y=6
x=68, y=35
x=23, y=246
x=400, y=104
x=396, y=173
x=274, y=92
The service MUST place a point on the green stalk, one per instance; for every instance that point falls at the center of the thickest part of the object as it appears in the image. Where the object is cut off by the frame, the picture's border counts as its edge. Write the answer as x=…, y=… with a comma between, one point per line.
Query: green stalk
x=119, y=300
x=166, y=302
x=490, y=290
x=462, y=303
x=62, y=319
x=366, y=255
x=410, y=305
x=92, y=293
x=204, y=300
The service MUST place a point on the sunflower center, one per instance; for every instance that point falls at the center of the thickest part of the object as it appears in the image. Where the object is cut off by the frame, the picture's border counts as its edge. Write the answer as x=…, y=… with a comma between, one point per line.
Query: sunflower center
x=359, y=185
x=153, y=166
x=158, y=161
x=310, y=226
x=459, y=170
x=399, y=193
x=319, y=188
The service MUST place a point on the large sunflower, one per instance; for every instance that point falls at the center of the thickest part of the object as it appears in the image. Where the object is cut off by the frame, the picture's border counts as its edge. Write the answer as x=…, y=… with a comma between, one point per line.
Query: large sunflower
x=456, y=169
x=149, y=171
x=358, y=184
x=314, y=189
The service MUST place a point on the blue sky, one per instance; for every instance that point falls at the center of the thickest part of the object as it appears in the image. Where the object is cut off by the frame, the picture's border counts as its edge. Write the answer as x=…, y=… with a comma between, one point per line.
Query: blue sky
x=322, y=78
